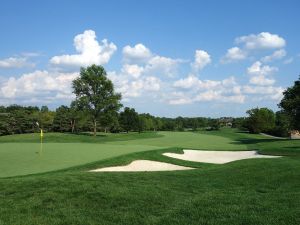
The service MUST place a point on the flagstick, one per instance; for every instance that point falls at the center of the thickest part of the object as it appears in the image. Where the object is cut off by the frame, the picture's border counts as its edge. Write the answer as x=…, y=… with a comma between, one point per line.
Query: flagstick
x=41, y=147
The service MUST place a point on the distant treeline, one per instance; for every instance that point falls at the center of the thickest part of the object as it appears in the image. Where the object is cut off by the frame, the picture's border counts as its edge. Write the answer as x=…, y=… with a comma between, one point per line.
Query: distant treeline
x=17, y=119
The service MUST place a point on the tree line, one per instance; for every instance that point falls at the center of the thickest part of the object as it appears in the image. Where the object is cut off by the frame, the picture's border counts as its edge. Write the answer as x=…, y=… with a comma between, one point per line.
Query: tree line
x=97, y=107
x=16, y=119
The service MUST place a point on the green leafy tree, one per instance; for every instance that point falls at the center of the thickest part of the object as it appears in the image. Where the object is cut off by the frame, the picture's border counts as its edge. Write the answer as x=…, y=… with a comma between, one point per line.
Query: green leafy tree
x=239, y=123
x=281, y=124
x=142, y=124
x=214, y=124
x=95, y=94
x=61, y=121
x=129, y=119
x=290, y=104
x=260, y=120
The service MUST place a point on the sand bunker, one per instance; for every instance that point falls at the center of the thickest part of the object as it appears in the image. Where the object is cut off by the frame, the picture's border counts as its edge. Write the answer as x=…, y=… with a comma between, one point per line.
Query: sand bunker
x=217, y=157
x=143, y=165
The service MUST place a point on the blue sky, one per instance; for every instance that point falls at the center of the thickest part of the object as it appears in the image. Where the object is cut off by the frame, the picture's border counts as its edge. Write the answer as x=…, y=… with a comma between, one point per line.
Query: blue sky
x=168, y=58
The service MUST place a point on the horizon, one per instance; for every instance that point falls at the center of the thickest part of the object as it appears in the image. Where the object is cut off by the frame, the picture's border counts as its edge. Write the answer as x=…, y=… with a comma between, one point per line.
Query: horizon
x=190, y=59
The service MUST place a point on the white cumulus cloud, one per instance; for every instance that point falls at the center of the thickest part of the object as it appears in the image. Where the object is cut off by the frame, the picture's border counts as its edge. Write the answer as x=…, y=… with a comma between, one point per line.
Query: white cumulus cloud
x=90, y=51
x=162, y=66
x=269, y=92
x=234, y=54
x=263, y=40
x=38, y=84
x=136, y=54
x=195, y=90
x=133, y=70
x=202, y=59
x=278, y=54
x=258, y=73
x=258, y=69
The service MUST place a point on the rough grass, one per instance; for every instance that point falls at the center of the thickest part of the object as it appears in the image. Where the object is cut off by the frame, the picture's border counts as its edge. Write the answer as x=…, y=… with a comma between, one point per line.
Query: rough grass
x=252, y=192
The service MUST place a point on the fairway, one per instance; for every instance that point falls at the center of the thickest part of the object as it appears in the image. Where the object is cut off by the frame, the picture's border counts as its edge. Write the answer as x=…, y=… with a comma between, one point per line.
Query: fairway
x=19, y=158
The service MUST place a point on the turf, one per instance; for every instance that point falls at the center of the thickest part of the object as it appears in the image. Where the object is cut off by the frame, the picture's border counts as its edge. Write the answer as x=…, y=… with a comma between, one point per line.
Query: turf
x=22, y=154
x=28, y=158
x=252, y=192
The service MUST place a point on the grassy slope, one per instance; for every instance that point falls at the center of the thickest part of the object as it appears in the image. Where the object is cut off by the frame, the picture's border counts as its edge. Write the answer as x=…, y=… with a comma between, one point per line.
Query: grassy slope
x=256, y=191
x=265, y=145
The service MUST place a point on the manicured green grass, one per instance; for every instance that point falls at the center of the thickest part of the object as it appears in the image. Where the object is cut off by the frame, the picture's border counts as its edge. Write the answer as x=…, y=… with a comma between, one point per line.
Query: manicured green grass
x=29, y=158
x=265, y=145
x=22, y=154
x=75, y=138
x=191, y=140
x=251, y=192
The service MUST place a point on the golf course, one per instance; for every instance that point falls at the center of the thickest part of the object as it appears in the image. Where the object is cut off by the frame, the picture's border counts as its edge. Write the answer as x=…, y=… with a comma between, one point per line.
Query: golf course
x=50, y=183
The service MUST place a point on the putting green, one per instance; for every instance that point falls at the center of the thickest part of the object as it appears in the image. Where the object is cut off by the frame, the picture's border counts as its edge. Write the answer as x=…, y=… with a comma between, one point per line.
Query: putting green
x=28, y=158
x=17, y=158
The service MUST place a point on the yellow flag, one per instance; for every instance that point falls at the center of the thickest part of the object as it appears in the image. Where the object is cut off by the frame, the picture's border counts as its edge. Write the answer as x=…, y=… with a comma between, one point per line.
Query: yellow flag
x=42, y=134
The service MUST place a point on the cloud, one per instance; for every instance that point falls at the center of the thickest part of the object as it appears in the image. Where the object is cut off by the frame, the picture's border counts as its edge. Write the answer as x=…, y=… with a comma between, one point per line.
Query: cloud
x=278, y=54
x=39, y=85
x=133, y=70
x=133, y=87
x=258, y=74
x=181, y=101
x=89, y=49
x=214, y=95
x=263, y=40
x=160, y=65
x=136, y=54
x=15, y=62
x=261, y=80
x=270, y=92
x=196, y=90
x=193, y=82
x=189, y=82
x=202, y=59
x=234, y=54
x=289, y=60
x=148, y=63
x=258, y=69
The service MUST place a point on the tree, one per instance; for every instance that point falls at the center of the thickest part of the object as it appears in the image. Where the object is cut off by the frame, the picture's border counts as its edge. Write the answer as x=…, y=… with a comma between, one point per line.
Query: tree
x=179, y=123
x=214, y=124
x=129, y=119
x=61, y=121
x=95, y=94
x=281, y=124
x=290, y=104
x=260, y=120
x=44, y=109
x=239, y=123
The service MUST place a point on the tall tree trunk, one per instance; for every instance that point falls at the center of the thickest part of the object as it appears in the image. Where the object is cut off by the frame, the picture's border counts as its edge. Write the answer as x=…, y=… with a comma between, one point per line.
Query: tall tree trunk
x=95, y=127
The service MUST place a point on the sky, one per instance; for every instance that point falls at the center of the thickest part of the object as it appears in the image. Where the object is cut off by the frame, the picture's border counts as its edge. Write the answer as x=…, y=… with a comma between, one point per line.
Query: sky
x=167, y=58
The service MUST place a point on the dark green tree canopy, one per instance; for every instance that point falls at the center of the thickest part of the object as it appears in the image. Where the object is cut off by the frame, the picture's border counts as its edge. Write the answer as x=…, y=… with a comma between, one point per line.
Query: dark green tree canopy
x=290, y=104
x=260, y=120
x=95, y=93
x=129, y=119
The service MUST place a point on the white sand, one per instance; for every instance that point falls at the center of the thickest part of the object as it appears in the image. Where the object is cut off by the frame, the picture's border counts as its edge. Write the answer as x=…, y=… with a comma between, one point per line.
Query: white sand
x=143, y=165
x=217, y=157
